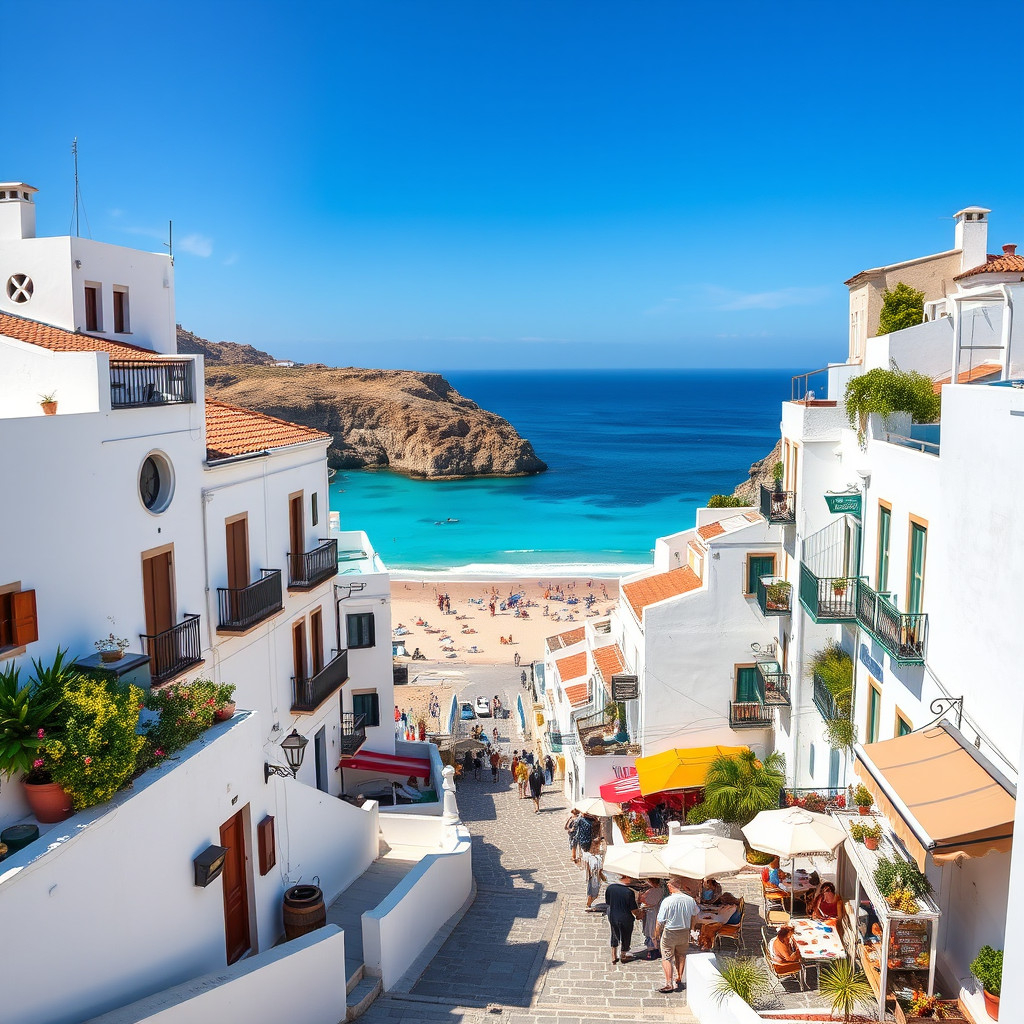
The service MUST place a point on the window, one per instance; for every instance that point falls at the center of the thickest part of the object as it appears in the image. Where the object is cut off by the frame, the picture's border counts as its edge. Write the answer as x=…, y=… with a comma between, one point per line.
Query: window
x=810, y=765
x=748, y=684
x=93, y=309
x=18, y=622
x=314, y=508
x=874, y=707
x=884, y=525
x=915, y=581
x=359, y=629
x=368, y=705
x=121, y=324
x=758, y=566
x=902, y=725
x=299, y=649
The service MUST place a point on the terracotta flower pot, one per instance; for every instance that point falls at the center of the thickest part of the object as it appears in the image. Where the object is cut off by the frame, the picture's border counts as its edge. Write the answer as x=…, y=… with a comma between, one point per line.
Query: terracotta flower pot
x=48, y=802
x=49, y=408
x=224, y=713
x=991, y=1004
x=865, y=810
x=871, y=842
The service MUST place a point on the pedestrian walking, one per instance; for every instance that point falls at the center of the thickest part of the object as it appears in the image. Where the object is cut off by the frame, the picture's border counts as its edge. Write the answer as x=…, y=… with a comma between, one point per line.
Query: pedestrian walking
x=650, y=900
x=571, y=825
x=529, y=757
x=516, y=659
x=593, y=867
x=494, y=733
x=675, y=915
x=495, y=763
x=585, y=833
x=622, y=911
x=467, y=764
x=447, y=605
x=478, y=763
x=536, y=787
x=522, y=777
x=522, y=677
x=549, y=770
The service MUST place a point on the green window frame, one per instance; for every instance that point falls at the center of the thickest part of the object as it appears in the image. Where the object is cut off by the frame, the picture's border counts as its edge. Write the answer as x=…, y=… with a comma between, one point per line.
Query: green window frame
x=884, y=532
x=359, y=630
x=758, y=566
x=915, y=582
x=902, y=725
x=874, y=710
x=748, y=685
x=368, y=705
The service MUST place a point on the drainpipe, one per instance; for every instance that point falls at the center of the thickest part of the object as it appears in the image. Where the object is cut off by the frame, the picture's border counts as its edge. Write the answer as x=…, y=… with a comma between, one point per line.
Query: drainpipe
x=954, y=372
x=1007, y=330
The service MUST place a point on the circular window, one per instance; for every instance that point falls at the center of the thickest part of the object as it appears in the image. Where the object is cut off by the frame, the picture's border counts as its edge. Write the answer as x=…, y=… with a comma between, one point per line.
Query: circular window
x=156, y=483
x=19, y=287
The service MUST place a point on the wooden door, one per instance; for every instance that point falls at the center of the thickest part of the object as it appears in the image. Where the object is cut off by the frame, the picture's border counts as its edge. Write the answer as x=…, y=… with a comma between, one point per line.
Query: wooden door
x=296, y=536
x=236, y=889
x=158, y=592
x=238, y=553
x=316, y=641
x=299, y=649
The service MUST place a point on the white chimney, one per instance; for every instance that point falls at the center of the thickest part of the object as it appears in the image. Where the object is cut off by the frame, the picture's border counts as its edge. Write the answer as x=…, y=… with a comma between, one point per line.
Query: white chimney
x=17, y=211
x=971, y=236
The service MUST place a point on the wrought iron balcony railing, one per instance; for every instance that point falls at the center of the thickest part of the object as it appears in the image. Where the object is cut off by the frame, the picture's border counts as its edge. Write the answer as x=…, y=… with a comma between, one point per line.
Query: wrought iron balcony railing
x=775, y=683
x=824, y=701
x=778, y=506
x=353, y=733
x=828, y=599
x=137, y=383
x=902, y=634
x=774, y=595
x=308, y=568
x=241, y=608
x=749, y=714
x=174, y=650
x=308, y=694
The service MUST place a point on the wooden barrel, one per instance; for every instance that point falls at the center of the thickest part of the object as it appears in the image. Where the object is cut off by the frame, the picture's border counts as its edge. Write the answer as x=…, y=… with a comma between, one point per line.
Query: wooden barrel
x=304, y=910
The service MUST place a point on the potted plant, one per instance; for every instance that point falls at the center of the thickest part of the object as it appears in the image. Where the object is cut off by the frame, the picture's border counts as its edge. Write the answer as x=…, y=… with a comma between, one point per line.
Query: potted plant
x=902, y=884
x=225, y=706
x=778, y=472
x=844, y=985
x=49, y=403
x=987, y=967
x=869, y=835
x=111, y=647
x=778, y=594
x=862, y=798
x=839, y=586
x=746, y=977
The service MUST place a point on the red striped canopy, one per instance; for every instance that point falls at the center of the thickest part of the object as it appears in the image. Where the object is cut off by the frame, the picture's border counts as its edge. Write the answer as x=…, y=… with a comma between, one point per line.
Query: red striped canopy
x=388, y=764
x=621, y=791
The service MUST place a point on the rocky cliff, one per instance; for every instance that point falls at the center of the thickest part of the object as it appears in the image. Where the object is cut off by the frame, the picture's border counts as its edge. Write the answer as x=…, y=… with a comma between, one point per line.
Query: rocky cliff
x=221, y=352
x=410, y=422
x=761, y=472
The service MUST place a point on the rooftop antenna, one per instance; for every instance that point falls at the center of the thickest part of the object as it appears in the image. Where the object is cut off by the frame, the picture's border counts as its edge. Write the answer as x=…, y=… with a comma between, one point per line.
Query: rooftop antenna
x=169, y=244
x=75, y=222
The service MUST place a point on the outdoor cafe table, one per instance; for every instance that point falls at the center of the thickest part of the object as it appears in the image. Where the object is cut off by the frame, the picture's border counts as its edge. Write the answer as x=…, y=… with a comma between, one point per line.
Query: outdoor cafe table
x=814, y=943
x=800, y=885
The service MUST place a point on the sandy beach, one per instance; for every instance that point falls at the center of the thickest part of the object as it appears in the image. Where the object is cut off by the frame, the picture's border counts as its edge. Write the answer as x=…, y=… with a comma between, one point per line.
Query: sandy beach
x=474, y=635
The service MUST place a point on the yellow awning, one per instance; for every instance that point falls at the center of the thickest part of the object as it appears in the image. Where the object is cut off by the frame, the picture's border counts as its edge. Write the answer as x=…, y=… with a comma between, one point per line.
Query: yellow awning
x=678, y=769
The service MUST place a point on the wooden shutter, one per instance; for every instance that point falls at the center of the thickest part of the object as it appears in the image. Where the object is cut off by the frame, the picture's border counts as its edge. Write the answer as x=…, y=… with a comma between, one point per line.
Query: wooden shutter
x=91, y=310
x=266, y=844
x=747, y=685
x=316, y=640
x=758, y=566
x=299, y=649
x=24, y=625
x=238, y=553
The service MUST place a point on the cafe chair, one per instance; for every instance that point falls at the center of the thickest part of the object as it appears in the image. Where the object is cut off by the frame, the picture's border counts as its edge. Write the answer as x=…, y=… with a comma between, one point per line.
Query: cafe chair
x=781, y=971
x=733, y=931
x=776, y=916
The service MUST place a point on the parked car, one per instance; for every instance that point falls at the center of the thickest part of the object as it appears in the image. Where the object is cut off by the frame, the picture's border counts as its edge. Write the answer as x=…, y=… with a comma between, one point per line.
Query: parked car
x=483, y=707
x=466, y=713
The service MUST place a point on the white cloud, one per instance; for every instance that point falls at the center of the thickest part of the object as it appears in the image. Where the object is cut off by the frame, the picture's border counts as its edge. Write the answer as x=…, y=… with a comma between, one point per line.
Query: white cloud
x=729, y=300
x=197, y=245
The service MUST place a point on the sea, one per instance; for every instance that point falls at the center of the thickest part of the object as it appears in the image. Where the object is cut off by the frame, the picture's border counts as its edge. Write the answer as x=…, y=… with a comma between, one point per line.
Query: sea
x=631, y=455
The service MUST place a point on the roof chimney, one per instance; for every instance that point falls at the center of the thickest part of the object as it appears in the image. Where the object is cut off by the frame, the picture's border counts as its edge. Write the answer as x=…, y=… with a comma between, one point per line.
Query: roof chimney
x=971, y=236
x=1010, y=250
x=17, y=211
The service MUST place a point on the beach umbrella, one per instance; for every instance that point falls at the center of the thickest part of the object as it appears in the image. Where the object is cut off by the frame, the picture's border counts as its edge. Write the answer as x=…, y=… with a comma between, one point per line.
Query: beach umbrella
x=596, y=806
x=638, y=860
x=704, y=856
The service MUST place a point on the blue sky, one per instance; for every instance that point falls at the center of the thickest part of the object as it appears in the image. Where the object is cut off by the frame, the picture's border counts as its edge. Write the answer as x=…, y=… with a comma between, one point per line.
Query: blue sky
x=444, y=185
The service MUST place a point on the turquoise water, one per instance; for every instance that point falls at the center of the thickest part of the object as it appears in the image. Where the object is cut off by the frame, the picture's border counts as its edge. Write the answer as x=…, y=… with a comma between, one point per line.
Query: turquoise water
x=630, y=456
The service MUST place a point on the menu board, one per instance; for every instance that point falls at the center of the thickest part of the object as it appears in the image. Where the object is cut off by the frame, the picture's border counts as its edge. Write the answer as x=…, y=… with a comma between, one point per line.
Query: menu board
x=908, y=945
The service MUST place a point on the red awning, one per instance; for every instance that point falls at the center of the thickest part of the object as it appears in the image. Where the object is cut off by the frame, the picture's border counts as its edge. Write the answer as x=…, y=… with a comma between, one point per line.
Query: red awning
x=621, y=790
x=388, y=764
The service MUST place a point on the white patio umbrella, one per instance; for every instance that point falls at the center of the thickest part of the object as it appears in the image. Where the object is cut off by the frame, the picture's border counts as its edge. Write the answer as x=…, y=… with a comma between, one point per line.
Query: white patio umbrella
x=637, y=860
x=704, y=856
x=598, y=807
x=792, y=832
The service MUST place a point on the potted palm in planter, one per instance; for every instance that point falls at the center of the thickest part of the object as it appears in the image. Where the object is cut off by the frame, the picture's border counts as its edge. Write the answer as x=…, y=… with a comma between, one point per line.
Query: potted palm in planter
x=987, y=967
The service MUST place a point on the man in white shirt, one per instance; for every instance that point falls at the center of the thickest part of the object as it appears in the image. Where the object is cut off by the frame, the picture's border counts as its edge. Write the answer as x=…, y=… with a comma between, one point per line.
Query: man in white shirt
x=676, y=912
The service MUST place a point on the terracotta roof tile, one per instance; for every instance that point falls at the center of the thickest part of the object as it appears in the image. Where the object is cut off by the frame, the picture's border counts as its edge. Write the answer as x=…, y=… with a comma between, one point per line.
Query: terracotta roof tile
x=231, y=430
x=578, y=694
x=572, y=667
x=652, y=589
x=609, y=660
x=711, y=530
x=56, y=339
x=567, y=639
x=752, y=517
x=1007, y=262
x=980, y=372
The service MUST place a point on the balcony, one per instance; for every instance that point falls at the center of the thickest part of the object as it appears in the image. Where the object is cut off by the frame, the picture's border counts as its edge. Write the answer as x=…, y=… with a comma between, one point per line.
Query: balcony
x=174, y=650
x=830, y=598
x=749, y=714
x=309, y=694
x=242, y=608
x=775, y=683
x=308, y=568
x=902, y=634
x=774, y=595
x=353, y=733
x=824, y=701
x=601, y=734
x=142, y=383
x=778, y=506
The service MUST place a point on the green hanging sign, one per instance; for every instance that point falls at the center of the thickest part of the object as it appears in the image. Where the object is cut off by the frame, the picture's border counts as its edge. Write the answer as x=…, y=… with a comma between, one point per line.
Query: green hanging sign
x=843, y=503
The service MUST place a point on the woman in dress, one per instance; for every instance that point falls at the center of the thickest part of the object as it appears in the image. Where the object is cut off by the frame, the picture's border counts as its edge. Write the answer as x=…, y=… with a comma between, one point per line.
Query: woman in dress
x=649, y=901
x=826, y=906
x=570, y=827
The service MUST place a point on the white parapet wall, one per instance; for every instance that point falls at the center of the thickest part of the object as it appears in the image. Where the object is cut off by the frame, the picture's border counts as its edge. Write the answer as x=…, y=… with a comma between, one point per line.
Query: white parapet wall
x=261, y=987
x=397, y=931
x=707, y=1006
x=415, y=748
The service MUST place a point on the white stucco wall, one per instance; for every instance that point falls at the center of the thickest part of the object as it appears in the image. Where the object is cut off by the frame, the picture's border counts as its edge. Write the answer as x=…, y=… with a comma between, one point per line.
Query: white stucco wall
x=79, y=381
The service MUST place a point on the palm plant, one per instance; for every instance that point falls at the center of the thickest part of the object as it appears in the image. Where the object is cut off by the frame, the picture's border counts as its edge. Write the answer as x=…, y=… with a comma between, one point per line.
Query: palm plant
x=746, y=977
x=844, y=985
x=26, y=715
x=738, y=788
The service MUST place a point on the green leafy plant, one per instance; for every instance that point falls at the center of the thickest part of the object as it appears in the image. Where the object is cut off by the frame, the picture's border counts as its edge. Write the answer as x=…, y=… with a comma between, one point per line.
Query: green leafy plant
x=861, y=832
x=698, y=814
x=50, y=396
x=844, y=985
x=746, y=977
x=778, y=593
x=96, y=755
x=902, y=884
x=759, y=857
x=726, y=501
x=186, y=711
x=902, y=307
x=737, y=788
x=887, y=391
x=862, y=796
x=778, y=472
x=834, y=667
x=987, y=967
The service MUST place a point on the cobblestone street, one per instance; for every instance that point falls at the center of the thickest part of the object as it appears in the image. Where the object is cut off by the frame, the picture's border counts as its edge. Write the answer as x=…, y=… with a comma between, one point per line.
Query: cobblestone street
x=526, y=951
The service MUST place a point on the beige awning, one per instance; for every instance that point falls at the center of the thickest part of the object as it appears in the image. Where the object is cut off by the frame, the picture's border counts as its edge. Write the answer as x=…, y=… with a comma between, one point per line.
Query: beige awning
x=939, y=794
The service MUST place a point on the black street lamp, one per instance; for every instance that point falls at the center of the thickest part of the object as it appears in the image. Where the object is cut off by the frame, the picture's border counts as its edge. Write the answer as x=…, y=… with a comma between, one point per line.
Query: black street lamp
x=294, y=747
